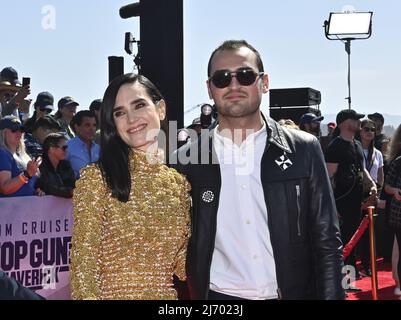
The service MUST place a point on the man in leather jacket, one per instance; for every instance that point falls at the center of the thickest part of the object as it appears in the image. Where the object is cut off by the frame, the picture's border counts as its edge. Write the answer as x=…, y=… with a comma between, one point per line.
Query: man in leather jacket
x=264, y=223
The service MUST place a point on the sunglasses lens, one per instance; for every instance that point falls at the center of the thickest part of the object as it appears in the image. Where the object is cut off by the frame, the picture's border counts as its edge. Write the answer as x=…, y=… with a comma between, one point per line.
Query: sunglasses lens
x=221, y=79
x=366, y=129
x=246, y=77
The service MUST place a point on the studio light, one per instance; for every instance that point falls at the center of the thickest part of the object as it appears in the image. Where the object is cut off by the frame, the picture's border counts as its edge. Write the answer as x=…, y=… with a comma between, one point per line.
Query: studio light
x=345, y=25
x=348, y=26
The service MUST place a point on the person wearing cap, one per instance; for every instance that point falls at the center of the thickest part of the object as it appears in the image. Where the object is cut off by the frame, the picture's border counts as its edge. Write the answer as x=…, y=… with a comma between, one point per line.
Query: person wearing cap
x=345, y=165
x=67, y=107
x=43, y=107
x=16, y=100
x=18, y=173
x=310, y=123
x=380, y=137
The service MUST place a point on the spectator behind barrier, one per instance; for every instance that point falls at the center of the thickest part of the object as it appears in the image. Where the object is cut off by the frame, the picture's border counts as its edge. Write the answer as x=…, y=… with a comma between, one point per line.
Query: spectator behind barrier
x=373, y=161
x=67, y=108
x=17, y=170
x=82, y=150
x=56, y=175
x=17, y=96
x=310, y=123
x=380, y=137
x=41, y=128
x=43, y=106
x=393, y=205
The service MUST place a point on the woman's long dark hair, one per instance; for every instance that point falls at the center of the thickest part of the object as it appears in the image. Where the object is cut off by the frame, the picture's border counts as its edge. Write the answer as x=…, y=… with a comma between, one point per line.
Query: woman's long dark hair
x=114, y=152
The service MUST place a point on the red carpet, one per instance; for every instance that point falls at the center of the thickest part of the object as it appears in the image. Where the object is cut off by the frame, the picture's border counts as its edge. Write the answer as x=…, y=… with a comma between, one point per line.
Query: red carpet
x=386, y=285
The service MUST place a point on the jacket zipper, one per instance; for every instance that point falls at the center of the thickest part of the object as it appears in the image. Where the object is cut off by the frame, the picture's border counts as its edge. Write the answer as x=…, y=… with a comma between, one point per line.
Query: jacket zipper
x=298, y=209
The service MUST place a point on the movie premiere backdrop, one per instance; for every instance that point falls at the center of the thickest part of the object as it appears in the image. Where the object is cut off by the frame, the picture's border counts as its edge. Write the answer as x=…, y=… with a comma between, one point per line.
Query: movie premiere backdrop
x=35, y=243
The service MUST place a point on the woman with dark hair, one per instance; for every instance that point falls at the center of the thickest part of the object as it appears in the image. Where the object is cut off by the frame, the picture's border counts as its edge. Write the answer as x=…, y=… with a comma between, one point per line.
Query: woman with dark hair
x=393, y=205
x=373, y=158
x=373, y=161
x=56, y=174
x=131, y=212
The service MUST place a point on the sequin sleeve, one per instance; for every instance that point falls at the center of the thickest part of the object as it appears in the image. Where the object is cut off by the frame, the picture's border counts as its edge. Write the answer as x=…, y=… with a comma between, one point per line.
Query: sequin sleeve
x=88, y=199
x=184, y=210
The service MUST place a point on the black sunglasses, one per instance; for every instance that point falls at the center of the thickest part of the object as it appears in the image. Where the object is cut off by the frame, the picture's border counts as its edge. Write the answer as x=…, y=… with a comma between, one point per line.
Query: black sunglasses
x=47, y=111
x=245, y=77
x=15, y=130
x=367, y=129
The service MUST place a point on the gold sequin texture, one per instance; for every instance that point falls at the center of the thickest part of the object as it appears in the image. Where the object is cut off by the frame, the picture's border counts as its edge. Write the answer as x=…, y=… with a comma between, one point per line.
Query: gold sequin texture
x=130, y=250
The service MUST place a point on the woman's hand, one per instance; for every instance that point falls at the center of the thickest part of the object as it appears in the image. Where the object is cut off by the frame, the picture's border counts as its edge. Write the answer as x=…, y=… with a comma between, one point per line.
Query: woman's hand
x=33, y=166
x=40, y=192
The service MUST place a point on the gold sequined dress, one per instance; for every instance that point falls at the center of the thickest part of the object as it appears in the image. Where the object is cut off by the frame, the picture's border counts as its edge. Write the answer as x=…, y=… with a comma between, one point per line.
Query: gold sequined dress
x=130, y=250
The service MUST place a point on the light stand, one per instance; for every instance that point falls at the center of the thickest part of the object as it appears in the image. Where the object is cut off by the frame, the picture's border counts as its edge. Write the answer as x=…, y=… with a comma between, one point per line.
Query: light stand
x=347, y=27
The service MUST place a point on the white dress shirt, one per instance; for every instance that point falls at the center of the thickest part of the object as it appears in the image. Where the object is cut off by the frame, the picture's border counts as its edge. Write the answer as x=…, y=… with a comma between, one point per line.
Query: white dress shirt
x=243, y=263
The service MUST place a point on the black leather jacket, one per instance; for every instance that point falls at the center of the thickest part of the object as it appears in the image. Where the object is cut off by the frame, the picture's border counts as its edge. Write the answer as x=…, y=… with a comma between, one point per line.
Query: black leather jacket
x=58, y=183
x=302, y=217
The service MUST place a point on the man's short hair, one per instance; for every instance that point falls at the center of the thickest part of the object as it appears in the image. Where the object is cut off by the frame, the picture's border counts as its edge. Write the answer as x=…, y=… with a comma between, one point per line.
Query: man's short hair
x=78, y=118
x=231, y=45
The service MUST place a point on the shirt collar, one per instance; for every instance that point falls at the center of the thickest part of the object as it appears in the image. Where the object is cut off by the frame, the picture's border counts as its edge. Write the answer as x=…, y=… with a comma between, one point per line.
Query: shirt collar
x=252, y=139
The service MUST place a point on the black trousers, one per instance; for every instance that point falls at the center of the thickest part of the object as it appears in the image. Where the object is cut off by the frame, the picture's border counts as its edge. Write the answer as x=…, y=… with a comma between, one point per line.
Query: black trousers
x=350, y=217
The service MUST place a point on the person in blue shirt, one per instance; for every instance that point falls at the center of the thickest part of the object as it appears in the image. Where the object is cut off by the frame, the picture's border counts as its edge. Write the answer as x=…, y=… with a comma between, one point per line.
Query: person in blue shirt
x=82, y=150
x=17, y=170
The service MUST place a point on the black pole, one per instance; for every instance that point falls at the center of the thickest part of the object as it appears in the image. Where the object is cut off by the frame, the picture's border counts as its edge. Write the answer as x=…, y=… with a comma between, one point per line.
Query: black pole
x=348, y=50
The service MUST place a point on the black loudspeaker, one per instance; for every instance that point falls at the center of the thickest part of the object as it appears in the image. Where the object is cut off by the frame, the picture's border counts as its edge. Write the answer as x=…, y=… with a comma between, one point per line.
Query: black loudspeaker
x=294, y=114
x=162, y=52
x=116, y=67
x=294, y=97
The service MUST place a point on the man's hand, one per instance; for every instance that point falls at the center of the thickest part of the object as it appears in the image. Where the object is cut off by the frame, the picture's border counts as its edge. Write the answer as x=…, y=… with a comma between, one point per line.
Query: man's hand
x=397, y=195
x=22, y=94
x=25, y=105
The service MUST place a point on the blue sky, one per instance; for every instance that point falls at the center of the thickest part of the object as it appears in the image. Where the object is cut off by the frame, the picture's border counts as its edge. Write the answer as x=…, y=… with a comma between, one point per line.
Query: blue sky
x=72, y=58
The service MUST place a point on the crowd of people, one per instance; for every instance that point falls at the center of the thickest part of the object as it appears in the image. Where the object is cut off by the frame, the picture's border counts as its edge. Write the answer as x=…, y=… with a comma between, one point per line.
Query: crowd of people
x=43, y=154
x=252, y=209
